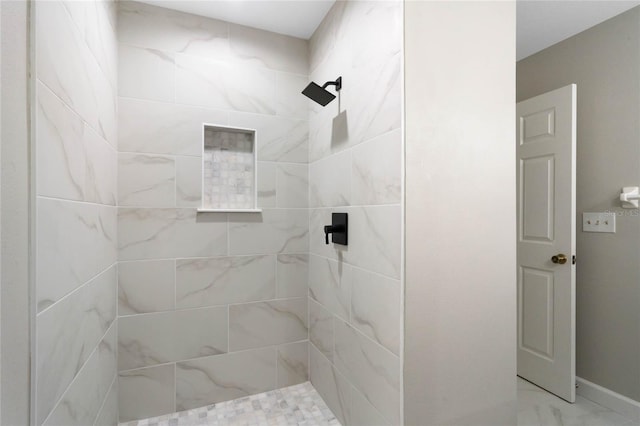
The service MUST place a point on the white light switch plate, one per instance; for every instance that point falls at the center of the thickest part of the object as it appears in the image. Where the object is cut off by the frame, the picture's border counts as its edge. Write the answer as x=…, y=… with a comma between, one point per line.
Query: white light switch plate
x=599, y=222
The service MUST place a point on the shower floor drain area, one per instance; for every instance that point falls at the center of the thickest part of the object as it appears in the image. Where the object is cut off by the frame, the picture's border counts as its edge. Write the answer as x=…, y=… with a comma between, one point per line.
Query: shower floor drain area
x=295, y=405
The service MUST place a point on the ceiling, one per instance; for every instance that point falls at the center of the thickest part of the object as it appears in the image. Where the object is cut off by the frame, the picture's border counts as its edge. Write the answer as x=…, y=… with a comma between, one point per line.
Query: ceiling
x=297, y=18
x=540, y=23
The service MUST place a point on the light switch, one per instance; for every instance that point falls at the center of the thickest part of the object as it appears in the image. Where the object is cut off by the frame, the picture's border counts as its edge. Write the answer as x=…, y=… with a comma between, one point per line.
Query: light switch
x=599, y=222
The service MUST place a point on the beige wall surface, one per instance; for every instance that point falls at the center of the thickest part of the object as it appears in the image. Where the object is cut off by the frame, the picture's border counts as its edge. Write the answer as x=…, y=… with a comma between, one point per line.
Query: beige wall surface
x=604, y=62
x=15, y=213
x=460, y=322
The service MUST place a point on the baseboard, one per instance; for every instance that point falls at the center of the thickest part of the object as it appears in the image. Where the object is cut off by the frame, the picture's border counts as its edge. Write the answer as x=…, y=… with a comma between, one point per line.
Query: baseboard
x=621, y=404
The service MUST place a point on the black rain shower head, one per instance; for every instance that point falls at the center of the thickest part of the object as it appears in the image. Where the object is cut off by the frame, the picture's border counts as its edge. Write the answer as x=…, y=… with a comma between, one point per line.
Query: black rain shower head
x=320, y=94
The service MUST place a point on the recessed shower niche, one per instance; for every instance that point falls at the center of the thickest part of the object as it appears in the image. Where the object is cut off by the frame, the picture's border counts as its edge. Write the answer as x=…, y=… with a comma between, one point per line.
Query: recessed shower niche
x=229, y=169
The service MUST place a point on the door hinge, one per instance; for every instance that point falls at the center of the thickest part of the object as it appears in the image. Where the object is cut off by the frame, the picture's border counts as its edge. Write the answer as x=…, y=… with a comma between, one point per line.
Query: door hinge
x=573, y=259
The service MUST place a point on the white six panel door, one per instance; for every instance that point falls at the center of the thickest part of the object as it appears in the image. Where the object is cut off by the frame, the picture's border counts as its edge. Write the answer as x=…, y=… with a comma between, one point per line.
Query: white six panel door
x=546, y=157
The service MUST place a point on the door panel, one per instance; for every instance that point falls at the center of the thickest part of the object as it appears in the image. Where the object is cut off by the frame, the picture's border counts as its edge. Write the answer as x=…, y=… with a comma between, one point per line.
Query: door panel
x=546, y=145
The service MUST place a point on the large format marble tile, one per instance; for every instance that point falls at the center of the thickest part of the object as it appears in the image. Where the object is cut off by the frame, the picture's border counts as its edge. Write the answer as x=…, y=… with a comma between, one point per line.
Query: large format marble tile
x=214, y=379
x=101, y=179
x=162, y=128
x=330, y=384
x=292, y=188
x=321, y=329
x=147, y=392
x=372, y=369
x=167, y=233
x=376, y=308
x=293, y=364
x=376, y=176
x=68, y=333
x=279, y=138
x=252, y=325
x=362, y=413
x=292, y=275
x=272, y=231
x=158, y=338
x=163, y=29
x=62, y=161
x=330, y=181
x=66, y=230
x=225, y=280
x=266, y=184
x=207, y=83
x=259, y=48
x=108, y=415
x=146, y=286
x=82, y=400
x=146, y=180
x=70, y=70
x=100, y=34
x=146, y=74
x=330, y=284
x=188, y=181
x=375, y=238
x=290, y=103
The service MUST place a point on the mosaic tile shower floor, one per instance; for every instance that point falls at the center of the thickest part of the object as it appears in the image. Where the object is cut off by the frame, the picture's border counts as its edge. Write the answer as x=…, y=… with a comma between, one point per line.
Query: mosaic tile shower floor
x=295, y=405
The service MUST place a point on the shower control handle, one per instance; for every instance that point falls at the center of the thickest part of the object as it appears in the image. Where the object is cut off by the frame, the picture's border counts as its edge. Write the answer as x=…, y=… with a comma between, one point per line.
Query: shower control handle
x=338, y=229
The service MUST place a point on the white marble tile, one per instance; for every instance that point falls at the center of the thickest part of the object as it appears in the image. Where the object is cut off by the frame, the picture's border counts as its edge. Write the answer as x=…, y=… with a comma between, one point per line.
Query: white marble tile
x=167, y=233
x=108, y=415
x=536, y=407
x=323, y=42
x=376, y=175
x=219, y=378
x=252, y=325
x=279, y=138
x=272, y=231
x=372, y=369
x=163, y=29
x=291, y=102
x=69, y=69
x=162, y=128
x=321, y=329
x=146, y=180
x=293, y=364
x=362, y=413
x=376, y=308
x=259, y=48
x=292, y=188
x=207, y=83
x=188, y=181
x=292, y=275
x=146, y=286
x=330, y=384
x=101, y=180
x=83, y=398
x=66, y=229
x=61, y=156
x=67, y=334
x=330, y=283
x=374, y=239
x=330, y=181
x=158, y=338
x=146, y=392
x=100, y=35
x=225, y=280
x=146, y=74
x=266, y=184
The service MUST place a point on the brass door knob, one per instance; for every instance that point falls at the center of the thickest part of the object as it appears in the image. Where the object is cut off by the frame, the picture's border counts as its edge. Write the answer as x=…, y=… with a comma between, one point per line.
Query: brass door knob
x=559, y=258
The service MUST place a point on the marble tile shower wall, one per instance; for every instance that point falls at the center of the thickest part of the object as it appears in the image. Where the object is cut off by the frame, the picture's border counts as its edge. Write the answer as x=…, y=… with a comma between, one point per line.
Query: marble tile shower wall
x=355, y=143
x=211, y=306
x=75, y=212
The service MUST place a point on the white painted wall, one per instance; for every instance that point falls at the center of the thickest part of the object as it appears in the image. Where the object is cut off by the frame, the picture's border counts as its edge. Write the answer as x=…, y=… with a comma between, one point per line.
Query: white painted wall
x=14, y=170
x=460, y=333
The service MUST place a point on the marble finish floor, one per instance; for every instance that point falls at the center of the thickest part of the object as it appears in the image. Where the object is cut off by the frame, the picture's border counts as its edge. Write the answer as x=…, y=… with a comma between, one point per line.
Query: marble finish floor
x=294, y=405
x=537, y=407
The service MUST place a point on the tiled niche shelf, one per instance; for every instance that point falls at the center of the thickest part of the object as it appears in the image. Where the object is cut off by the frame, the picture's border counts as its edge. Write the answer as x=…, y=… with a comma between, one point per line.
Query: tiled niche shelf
x=229, y=170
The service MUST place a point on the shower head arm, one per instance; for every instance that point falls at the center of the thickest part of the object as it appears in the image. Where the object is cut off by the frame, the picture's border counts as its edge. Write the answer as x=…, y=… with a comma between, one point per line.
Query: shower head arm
x=337, y=83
